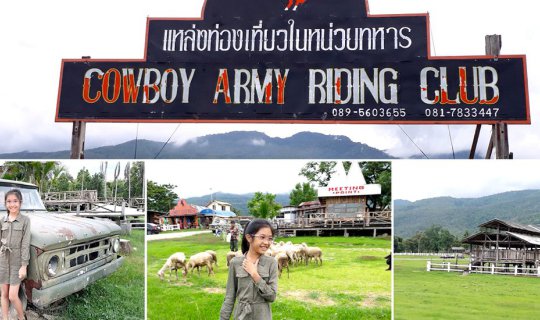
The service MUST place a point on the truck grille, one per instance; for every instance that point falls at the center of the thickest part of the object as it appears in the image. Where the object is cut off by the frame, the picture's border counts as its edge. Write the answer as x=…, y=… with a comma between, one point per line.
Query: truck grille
x=84, y=253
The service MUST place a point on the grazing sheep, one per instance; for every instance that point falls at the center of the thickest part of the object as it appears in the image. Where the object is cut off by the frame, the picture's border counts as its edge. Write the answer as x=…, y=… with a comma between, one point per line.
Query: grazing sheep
x=283, y=261
x=175, y=261
x=201, y=259
x=315, y=253
x=231, y=255
x=214, y=256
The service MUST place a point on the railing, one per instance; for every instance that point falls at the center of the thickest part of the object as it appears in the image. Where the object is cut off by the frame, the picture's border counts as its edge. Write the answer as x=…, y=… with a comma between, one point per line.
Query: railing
x=170, y=227
x=361, y=220
x=515, y=270
x=71, y=196
x=445, y=255
x=505, y=254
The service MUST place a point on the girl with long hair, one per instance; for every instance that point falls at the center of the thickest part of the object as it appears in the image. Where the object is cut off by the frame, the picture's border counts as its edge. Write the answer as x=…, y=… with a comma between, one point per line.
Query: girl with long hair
x=252, y=277
x=14, y=252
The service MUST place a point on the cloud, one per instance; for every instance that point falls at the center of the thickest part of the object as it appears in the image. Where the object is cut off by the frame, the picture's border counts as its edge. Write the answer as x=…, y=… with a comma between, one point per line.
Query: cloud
x=258, y=142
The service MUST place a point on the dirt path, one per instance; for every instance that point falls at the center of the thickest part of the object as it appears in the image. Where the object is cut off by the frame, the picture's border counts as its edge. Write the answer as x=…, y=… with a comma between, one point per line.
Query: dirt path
x=151, y=237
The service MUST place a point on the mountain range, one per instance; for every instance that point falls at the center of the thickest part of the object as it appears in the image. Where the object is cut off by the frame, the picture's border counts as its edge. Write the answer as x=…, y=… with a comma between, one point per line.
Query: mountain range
x=465, y=214
x=238, y=201
x=233, y=145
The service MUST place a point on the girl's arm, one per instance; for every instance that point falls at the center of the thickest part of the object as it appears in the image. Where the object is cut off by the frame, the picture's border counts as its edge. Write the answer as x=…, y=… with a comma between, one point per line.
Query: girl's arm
x=268, y=289
x=25, y=249
x=230, y=294
x=25, y=244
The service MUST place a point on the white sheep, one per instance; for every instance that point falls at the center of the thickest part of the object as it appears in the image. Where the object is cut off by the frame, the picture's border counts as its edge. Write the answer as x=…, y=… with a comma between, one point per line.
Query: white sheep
x=283, y=261
x=231, y=255
x=201, y=259
x=174, y=262
x=315, y=253
x=214, y=256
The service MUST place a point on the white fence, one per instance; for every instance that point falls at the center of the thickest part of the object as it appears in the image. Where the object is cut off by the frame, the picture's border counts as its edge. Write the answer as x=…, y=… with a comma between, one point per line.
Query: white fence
x=516, y=271
x=170, y=227
x=425, y=254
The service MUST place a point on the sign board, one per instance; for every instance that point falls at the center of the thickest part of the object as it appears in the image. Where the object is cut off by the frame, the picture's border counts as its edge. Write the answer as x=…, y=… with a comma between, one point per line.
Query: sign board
x=352, y=183
x=294, y=61
x=349, y=190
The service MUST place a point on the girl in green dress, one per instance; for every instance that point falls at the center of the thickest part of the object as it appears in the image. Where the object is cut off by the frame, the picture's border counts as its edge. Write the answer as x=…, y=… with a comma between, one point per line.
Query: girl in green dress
x=14, y=252
x=253, y=277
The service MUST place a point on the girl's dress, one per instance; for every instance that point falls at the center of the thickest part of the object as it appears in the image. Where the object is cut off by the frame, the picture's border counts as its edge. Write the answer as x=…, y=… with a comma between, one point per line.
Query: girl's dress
x=253, y=298
x=14, y=248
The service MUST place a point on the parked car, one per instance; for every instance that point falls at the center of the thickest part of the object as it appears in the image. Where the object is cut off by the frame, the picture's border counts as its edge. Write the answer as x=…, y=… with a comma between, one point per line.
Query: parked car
x=67, y=253
x=152, y=228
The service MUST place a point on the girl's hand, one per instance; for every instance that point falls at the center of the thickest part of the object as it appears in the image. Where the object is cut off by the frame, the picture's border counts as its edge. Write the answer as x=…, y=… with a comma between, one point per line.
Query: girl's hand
x=251, y=269
x=22, y=272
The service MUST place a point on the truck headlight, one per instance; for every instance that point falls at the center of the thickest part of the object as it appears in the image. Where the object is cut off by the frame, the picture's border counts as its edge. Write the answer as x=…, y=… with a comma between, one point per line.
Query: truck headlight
x=116, y=245
x=52, y=266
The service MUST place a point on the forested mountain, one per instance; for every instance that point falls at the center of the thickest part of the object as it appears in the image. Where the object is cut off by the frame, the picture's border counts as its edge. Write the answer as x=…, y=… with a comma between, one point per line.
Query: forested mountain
x=232, y=145
x=461, y=214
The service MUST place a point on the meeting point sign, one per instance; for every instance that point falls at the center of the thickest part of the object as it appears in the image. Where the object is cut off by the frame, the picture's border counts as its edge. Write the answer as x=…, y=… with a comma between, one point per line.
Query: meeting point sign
x=294, y=61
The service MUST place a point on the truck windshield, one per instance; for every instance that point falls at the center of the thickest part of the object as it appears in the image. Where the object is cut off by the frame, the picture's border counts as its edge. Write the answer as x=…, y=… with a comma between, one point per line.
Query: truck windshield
x=30, y=201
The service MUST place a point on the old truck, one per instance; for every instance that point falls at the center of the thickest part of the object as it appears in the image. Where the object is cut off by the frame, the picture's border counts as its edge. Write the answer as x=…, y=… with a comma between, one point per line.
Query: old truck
x=67, y=253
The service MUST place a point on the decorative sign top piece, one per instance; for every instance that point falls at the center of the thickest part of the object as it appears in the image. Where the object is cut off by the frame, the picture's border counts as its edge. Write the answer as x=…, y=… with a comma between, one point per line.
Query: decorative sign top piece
x=294, y=61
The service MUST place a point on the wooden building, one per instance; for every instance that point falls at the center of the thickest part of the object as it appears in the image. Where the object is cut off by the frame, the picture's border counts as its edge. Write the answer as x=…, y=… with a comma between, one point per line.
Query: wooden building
x=341, y=209
x=504, y=244
x=184, y=215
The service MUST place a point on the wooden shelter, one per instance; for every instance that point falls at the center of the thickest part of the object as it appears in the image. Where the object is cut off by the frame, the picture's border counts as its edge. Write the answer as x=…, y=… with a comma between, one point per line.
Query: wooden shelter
x=504, y=243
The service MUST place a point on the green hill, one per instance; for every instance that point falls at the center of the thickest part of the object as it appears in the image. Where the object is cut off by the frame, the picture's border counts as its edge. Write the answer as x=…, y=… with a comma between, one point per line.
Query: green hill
x=460, y=214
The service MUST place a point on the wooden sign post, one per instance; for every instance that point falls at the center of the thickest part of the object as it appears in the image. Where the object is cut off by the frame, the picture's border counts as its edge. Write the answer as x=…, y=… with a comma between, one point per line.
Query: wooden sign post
x=499, y=133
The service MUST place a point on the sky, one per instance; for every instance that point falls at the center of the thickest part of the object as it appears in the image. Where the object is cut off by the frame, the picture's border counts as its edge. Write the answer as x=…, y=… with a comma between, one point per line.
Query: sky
x=195, y=178
x=416, y=180
x=36, y=35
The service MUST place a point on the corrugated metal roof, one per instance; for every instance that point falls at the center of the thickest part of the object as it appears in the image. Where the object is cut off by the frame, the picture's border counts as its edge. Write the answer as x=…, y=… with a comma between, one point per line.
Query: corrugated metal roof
x=527, y=238
x=512, y=225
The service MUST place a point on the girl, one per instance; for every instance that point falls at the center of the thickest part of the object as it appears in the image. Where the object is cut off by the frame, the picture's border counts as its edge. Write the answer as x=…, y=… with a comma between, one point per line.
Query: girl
x=253, y=276
x=14, y=252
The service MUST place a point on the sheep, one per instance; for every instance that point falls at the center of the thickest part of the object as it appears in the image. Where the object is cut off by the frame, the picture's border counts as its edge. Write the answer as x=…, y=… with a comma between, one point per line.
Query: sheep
x=201, y=259
x=231, y=255
x=283, y=261
x=214, y=256
x=313, y=252
x=175, y=261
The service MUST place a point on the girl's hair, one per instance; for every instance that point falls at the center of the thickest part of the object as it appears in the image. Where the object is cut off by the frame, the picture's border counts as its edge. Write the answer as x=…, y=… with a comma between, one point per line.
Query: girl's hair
x=252, y=228
x=16, y=193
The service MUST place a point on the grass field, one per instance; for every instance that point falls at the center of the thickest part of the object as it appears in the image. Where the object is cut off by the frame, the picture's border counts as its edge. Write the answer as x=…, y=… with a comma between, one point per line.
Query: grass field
x=351, y=284
x=419, y=294
x=119, y=296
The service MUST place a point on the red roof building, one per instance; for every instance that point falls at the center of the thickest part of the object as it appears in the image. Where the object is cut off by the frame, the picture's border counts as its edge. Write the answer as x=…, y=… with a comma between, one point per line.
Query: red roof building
x=183, y=214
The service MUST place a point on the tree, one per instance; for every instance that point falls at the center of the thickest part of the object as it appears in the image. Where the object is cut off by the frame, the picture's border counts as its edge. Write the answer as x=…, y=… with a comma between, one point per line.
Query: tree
x=318, y=172
x=263, y=205
x=137, y=179
x=161, y=198
x=39, y=173
x=379, y=172
x=302, y=192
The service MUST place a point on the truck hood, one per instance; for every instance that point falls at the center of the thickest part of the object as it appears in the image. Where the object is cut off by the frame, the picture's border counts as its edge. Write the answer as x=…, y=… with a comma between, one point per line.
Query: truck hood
x=51, y=231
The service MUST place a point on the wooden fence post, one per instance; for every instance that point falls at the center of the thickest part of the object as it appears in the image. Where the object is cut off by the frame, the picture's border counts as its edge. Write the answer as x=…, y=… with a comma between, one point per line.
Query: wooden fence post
x=515, y=270
x=429, y=266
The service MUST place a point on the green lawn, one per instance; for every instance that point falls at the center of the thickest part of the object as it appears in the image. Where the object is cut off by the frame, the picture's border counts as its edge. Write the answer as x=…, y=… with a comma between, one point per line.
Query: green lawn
x=351, y=284
x=119, y=296
x=419, y=294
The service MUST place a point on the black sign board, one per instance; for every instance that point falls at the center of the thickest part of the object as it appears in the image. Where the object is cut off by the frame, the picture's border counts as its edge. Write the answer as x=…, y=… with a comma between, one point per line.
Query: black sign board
x=314, y=61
